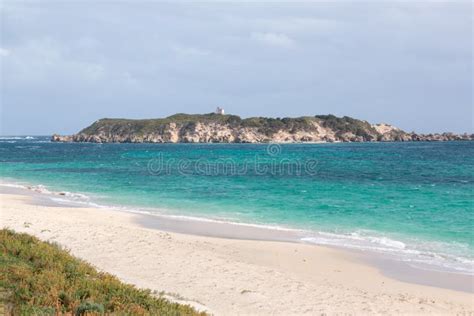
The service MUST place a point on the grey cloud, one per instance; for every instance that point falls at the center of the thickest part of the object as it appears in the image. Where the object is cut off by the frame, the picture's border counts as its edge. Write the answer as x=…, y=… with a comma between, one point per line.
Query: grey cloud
x=405, y=63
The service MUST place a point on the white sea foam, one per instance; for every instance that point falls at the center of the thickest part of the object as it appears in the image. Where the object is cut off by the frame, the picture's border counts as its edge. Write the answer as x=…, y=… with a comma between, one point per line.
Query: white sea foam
x=211, y=220
x=75, y=196
x=29, y=147
x=10, y=138
x=428, y=254
x=13, y=185
x=69, y=196
x=16, y=137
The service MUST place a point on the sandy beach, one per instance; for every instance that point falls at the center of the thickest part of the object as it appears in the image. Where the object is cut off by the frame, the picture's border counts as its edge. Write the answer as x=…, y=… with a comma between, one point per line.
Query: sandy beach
x=227, y=276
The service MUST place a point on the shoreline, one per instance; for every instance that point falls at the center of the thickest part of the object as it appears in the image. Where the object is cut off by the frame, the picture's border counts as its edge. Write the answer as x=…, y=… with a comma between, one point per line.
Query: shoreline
x=224, y=275
x=378, y=247
x=391, y=266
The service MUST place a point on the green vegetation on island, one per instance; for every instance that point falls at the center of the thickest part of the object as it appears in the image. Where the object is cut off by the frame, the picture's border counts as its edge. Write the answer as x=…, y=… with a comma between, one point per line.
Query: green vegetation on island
x=265, y=125
x=224, y=128
x=40, y=278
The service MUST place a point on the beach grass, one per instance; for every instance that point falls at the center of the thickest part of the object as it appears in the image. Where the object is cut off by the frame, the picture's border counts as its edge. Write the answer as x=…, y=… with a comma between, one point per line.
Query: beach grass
x=41, y=278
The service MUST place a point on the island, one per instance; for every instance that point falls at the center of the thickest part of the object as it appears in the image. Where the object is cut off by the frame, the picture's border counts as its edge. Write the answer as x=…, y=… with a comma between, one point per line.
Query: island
x=224, y=128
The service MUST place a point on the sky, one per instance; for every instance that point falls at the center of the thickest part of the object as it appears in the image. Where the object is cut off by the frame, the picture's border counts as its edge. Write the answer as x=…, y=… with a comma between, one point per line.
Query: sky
x=66, y=64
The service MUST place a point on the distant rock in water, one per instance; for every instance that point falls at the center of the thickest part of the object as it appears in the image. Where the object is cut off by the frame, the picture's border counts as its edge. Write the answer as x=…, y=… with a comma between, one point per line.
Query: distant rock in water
x=217, y=128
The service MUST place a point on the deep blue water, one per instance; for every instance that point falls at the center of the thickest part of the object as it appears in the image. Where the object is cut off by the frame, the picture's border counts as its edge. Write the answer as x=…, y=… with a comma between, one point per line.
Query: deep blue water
x=415, y=199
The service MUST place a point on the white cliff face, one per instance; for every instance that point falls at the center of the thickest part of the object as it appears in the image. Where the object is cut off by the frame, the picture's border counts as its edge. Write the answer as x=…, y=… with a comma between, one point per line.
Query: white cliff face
x=172, y=133
x=207, y=133
x=317, y=133
x=390, y=133
x=385, y=128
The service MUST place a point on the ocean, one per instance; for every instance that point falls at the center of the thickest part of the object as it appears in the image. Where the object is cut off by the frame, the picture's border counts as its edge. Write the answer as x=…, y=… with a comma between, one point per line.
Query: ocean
x=412, y=201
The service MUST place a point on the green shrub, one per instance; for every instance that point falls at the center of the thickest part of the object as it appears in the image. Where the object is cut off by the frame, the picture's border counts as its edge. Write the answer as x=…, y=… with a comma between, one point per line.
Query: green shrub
x=348, y=124
x=40, y=278
x=88, y=307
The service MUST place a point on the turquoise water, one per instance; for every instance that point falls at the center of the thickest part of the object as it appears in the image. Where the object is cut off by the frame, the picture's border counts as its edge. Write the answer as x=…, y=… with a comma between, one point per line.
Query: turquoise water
x=410, y=199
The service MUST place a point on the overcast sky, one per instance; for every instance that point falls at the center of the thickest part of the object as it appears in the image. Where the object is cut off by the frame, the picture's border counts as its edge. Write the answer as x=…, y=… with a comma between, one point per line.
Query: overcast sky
x=65, y=65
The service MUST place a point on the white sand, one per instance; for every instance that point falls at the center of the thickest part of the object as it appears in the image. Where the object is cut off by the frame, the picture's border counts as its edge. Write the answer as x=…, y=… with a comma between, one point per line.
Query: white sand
x=227, y=276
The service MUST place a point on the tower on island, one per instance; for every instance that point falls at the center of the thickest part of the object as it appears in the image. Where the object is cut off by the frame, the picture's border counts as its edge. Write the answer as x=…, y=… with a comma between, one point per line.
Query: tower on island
x=220, y=111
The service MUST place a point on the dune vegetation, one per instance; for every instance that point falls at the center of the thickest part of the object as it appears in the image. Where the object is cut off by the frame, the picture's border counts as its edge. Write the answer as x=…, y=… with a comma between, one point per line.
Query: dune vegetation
x=41, y=278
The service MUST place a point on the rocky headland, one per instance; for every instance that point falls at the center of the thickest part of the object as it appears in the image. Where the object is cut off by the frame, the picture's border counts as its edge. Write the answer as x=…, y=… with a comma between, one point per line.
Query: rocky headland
x=216, y=128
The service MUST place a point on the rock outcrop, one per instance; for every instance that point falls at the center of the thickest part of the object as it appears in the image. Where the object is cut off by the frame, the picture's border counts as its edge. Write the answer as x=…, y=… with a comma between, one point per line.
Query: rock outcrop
x=215, y=128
